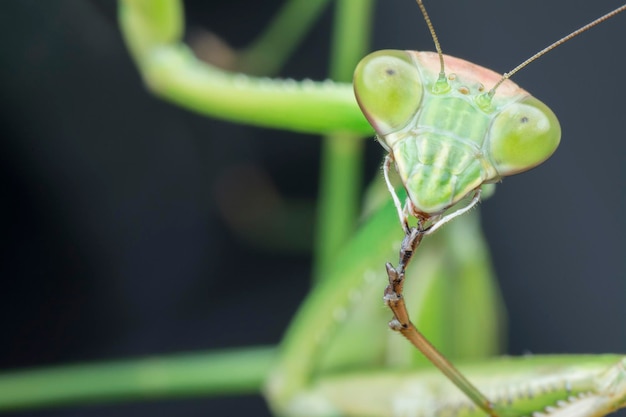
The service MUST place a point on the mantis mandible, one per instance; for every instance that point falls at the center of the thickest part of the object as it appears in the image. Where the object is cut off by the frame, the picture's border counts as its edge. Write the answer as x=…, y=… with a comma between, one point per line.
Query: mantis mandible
x=447, y=137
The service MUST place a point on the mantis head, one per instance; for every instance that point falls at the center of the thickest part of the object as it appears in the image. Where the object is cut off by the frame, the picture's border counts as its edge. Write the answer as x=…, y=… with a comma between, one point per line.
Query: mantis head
x=393, y=87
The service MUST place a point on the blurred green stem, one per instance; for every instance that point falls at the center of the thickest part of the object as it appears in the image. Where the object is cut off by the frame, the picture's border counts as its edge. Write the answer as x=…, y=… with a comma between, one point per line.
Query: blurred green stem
x=342, y=154
x=269, y=51
x=236, y=371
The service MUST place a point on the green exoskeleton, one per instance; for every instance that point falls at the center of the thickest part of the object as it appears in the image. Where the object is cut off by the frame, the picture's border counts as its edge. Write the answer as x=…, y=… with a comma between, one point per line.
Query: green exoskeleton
x=448, y=136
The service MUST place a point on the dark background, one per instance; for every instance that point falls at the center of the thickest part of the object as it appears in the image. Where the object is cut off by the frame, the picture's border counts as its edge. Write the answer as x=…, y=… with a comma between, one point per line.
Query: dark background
x=113, y=244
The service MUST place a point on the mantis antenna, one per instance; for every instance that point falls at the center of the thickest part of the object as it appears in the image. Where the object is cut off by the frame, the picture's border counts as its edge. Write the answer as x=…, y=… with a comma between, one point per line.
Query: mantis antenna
x=442, y=71
x=507, y=75
x=545, y=50
x=431, y=28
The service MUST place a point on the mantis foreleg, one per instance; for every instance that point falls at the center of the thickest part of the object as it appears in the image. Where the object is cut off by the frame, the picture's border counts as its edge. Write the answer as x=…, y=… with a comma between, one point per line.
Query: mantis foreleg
x=402, y=323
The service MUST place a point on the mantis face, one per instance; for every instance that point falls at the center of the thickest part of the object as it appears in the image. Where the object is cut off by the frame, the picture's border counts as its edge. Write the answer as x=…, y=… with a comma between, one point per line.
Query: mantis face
x=448, y=136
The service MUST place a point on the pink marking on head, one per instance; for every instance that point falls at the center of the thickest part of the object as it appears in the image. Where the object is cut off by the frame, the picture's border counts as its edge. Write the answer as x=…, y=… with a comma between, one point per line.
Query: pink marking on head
x=467, y=72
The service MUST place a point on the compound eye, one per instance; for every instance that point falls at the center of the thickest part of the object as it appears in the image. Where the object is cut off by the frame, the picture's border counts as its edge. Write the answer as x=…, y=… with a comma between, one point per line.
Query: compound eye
x=388, y=89
x=522, y=136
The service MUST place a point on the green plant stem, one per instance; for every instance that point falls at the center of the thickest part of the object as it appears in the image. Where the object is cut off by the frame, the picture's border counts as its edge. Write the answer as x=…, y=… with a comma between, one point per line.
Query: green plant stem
x=152, y=30
x=269, y=51
x=342, y=154
x=236, y=371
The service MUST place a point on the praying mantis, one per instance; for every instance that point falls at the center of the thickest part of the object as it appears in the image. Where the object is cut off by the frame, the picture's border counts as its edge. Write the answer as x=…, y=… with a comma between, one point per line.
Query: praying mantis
x=329, y=375
x=447, y=137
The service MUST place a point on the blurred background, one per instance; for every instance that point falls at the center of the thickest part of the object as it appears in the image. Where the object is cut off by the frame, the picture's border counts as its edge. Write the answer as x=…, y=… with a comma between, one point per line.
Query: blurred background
x=118, y=233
